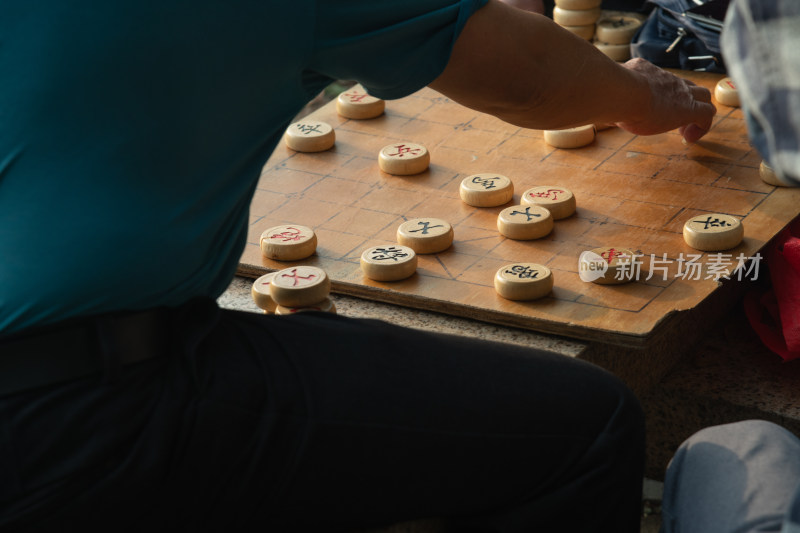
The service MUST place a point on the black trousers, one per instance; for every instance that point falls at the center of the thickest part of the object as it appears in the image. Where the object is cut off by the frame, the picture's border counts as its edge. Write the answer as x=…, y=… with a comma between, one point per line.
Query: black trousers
x=320, y=423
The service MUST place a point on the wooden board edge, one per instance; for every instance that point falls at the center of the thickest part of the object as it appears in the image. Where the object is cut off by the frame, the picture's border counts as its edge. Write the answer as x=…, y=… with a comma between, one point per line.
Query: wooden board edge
x=545, y=327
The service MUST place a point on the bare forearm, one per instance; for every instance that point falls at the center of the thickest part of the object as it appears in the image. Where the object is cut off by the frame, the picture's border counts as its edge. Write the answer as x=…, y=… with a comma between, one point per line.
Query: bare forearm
x=523, y=68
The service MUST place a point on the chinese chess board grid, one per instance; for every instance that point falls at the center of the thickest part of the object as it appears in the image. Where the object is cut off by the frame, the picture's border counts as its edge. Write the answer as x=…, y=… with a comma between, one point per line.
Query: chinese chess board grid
x=632, y=192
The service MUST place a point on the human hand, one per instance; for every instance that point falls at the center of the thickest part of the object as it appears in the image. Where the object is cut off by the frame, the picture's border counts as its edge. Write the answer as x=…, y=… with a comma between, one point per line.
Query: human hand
x=674, y=103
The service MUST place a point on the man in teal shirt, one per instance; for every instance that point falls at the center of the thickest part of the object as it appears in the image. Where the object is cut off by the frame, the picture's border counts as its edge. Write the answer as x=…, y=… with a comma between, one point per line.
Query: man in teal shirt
x=132, y=135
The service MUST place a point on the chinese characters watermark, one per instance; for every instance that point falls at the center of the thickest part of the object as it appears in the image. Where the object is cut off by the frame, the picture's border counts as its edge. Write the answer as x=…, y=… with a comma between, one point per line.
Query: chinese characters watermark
x=717, y=266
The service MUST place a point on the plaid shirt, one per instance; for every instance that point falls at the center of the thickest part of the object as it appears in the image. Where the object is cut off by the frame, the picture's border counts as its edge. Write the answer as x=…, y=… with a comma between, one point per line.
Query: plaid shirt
x=791, y=524
x=761, y=48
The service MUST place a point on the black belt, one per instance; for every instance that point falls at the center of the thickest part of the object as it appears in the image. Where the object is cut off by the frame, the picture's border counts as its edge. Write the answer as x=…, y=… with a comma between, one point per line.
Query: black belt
x=80, y=348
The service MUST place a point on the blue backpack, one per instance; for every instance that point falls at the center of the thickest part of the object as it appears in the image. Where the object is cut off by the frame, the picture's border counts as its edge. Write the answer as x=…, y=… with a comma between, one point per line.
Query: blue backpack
x=682, y=34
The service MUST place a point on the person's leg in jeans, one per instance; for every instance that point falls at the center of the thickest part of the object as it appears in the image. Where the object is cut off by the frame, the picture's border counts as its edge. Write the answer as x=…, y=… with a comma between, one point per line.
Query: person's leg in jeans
x=737, y=477
x=319, y=423
x=403, y=424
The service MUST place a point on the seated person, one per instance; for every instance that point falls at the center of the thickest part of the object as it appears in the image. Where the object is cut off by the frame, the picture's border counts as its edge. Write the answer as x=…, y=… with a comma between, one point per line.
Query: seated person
x=745, y=476
x=131, y=141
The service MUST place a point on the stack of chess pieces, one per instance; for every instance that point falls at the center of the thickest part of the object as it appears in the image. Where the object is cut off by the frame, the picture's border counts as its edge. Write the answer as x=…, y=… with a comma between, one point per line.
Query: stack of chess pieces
x=294, y=290
x=610, y=31
x=298, y=288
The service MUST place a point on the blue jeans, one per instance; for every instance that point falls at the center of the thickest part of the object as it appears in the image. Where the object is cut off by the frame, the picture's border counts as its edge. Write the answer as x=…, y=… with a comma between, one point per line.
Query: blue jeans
x=738, y=477
x=316, y=422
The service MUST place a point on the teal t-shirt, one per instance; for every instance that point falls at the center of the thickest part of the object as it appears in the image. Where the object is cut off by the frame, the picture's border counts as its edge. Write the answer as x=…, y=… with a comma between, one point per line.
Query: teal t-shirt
x=132, y=133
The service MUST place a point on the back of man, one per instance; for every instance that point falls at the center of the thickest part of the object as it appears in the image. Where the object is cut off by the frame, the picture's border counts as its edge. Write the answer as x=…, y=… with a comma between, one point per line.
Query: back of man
x=133, y=134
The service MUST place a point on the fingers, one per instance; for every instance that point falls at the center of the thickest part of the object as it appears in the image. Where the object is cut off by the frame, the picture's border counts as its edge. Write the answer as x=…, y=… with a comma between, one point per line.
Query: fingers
x=703, y=111
x=692, y=133
x=700, y=111
x=700, y=93
x=677, y=103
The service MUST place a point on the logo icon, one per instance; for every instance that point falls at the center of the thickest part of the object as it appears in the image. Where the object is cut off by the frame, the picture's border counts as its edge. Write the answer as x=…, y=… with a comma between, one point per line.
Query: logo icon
x=591, y=266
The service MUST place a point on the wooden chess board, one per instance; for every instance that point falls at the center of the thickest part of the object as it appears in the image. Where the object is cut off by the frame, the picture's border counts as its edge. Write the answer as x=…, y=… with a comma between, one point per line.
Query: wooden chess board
x=632, y=192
